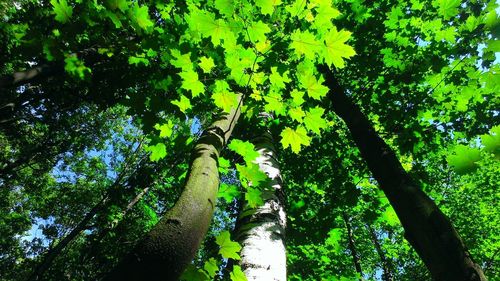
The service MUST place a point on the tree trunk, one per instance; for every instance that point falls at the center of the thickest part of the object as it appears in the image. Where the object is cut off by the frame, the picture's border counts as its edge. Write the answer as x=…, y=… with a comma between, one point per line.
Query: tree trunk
x=171, y=245
x=386, y=267
x=261, y=231
x=427, y=229
x=31, y=75
x=352, y=246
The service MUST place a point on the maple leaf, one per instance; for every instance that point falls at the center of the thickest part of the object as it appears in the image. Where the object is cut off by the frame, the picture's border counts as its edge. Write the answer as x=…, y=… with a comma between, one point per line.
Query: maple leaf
x=223, y=97
x=305, y=43
x=313, y=120
x=254, y=197
x=237, y=274
x=245, y=149
x=182, y=61
x=228, y=249
x=295, y=138
x=206, y=64
x=158, y=151
x=447, y=8
x=225, y=7
x=62, y=10
x=296, y=114
x=141, y=16
x=277, y=80
x=463, y=159
x=267, y=6
x=315, y=88
x=251, y=173
x=257, y=31
x=191, y=83
x=183, y=103
x=274, y=102
x=118, y=4
x=334, y=50
x=166, y=129
x=228, y=192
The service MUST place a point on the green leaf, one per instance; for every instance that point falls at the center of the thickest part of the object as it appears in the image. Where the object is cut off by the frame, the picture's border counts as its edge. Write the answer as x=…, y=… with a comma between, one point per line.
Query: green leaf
x=463, y=159
x=313, y=120
x=295, y=138
x=118, y=4
x=335, y=49
x=62, y=10
x=447, y=8
x=267, y=6
x=194, y=274
x=305, y=43
x=296, y=114
x=228, y=192
x=158, y=151
x=181, y=61
x=274, y=103
x=491, y=141
x=245, y=149
x=211, y=267
x=166, y=129
x=225, y=7
x=237, y=274
x=141, y=16
x=250, y=174
x=206, y=64
x=183, y=103
x=257, y=31
x=254, y=197
x=191, y=82
x=223, y=97
x=228, y=249
x=224, y=165
x=315, y=88
x=75, y=67
x=278, y=81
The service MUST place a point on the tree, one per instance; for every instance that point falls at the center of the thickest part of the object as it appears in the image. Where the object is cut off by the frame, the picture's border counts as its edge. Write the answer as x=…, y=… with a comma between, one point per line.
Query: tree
x=414, y=68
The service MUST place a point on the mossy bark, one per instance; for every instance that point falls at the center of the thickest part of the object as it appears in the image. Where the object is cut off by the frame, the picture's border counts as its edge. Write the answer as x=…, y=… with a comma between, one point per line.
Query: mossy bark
x=171, y=245
x=261, y=230
x=427, y=229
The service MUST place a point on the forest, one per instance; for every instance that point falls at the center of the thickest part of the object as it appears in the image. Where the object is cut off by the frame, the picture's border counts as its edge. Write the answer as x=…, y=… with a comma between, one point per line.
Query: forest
x=269, y=140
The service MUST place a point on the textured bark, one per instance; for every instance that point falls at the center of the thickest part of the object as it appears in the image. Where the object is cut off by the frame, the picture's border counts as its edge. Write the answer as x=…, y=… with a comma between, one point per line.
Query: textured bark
x=261, y=231
x=427, y=229
x=171, y=245
x=352, y=246
x=386, y=264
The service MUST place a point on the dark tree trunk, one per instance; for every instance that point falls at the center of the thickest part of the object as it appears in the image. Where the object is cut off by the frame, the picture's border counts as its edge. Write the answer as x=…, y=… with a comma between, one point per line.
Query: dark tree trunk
x=386, y=264
x=31, y=75
x=352, y=246
x=427, y=229
x=171, y=245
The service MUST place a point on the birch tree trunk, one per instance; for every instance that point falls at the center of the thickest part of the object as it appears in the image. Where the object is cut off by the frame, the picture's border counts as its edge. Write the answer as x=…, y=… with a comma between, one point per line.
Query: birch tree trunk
x=427, y=229
x=261, y=231
x=170, y=246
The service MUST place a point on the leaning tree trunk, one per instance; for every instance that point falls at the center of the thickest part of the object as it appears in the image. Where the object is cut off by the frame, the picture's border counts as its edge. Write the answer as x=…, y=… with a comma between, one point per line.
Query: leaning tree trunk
x=386, y=263
x=171, y=245
x=352, y=246
x=427, y=229
x=261, y=231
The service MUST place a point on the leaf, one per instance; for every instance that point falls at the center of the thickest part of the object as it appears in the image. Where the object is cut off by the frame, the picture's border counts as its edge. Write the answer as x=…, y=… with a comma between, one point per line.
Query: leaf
x=228, y=192
x=447, y=8
x=225, y=7
x=305, y=43
x=194, y=274
x=334, y=50
x=158, y=151
x=257, y=32
x=118, y=4
x=223, y=97
x=205, y=23
x=191, y=82
x=313, y=120
x=463, y=159
x=267, y=6
x=206, y=64
x=277, y=80
x=491, y=141
x=296, y=114
x=228, y=249
x=251, y=173
x=237, y=274
x=211, y=267
x=295, y=138
x=245, y=149
x=181, y=61
x=254, y=197
x=141, y=16
x=165, y=129
x=75, y=67
x=62, y=10
x=315, y=88
x=274, y=103
x=183, y=103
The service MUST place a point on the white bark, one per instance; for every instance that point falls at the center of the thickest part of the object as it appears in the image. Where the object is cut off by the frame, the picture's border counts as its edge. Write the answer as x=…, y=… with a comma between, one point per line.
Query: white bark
x=262, y=230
